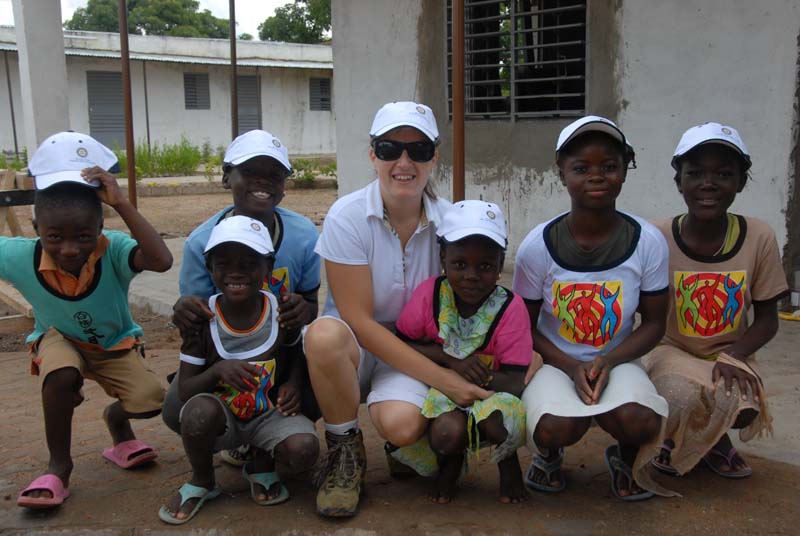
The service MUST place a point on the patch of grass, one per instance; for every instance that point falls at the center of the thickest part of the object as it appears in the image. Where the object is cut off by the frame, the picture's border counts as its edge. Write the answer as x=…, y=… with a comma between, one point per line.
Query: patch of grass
x=13, y=162
x=167, y=160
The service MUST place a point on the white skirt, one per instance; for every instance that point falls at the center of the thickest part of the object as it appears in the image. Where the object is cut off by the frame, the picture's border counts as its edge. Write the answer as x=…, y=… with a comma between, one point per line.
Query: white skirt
x=552, y=391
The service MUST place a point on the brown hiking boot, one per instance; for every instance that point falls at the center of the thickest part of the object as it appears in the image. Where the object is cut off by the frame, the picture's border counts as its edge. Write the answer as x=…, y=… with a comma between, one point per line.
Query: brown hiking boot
x=341, y=475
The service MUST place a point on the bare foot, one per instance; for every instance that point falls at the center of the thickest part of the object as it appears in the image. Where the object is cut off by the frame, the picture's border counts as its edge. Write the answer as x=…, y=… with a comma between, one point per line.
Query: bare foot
x=541, y=477
x=118, y=426
x=446, y=484
x=267, y=495
x=512, y=490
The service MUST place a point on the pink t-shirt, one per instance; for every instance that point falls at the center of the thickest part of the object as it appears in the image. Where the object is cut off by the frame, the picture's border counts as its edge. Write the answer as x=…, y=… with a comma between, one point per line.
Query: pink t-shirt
x=510, y=341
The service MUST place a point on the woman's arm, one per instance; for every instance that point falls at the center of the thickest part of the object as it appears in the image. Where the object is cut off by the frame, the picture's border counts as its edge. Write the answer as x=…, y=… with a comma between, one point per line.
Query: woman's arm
x=760, y=332
x=653, y=311
x=351, y=286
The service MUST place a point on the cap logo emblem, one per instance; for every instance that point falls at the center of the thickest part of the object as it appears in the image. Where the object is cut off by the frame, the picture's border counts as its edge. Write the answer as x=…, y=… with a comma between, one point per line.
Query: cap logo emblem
x=276, y=142
x=254, y=226
x=726, y=130
x=491, y=214
x=421, y=110
x=82, y=152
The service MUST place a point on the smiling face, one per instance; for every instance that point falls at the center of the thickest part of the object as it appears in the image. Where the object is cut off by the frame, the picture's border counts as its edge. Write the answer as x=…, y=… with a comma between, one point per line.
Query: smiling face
x=257, y=186
x=709, y=178
x=403, y=179
x=472, y=266
x=69, y=236
x=238, y=271
x=593, y=169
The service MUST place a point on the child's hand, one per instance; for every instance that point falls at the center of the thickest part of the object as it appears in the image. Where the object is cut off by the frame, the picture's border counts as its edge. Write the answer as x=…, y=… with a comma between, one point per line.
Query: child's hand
x=239, y=374
x=473, y=370
x=109, y=191
x=289, y=399
x=591, y=379
x=730, y=374
x=294, y=311
x=190, y=313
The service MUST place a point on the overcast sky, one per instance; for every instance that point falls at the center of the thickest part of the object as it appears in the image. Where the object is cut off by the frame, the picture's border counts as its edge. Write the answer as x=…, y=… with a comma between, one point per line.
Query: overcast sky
x=249, y=13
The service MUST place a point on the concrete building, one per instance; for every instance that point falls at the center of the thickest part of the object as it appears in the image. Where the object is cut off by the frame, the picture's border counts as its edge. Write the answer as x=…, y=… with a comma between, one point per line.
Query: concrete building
x=656, y=67
x=181, y=87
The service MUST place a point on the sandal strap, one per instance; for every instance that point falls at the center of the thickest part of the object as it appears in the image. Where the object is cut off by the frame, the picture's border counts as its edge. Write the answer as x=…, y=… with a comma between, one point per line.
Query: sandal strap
x=729, y=457
x=549, y=467
x=190, y=491
x=267, y=479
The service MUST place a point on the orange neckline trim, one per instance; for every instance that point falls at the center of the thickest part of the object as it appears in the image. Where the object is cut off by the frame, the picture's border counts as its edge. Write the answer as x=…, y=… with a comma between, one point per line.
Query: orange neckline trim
x=243, y=331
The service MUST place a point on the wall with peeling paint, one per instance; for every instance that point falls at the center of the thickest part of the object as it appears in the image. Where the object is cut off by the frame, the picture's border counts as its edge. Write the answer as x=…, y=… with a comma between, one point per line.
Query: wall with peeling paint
x=657, y=67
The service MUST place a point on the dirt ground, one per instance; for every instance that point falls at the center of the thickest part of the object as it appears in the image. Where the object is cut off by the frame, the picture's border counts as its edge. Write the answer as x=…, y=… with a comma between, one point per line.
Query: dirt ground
x=107, y=500
x=175, y=217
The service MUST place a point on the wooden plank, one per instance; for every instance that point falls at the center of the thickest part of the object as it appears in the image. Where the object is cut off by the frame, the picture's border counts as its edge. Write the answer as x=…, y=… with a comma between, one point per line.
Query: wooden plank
x=15, y=198
x=15, y=324
x=13, y=299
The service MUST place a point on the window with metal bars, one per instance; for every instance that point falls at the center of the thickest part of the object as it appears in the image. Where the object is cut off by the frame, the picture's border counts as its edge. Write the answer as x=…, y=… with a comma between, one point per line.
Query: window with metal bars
x=522, y=58
x=320, y=94
x=196, y=95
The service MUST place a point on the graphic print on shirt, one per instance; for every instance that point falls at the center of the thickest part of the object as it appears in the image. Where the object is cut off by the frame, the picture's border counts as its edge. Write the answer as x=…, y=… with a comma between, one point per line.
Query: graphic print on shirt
x=590, y=313
x=247, y=404
x=278, y=281
x=709, y=303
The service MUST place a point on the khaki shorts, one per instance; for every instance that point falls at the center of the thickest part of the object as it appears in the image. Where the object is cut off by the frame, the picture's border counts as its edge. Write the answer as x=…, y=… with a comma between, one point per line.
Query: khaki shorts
x=123, y=374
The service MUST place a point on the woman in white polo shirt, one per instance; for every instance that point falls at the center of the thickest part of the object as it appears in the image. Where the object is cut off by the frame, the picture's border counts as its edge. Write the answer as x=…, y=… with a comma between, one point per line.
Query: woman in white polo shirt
x=378, y=244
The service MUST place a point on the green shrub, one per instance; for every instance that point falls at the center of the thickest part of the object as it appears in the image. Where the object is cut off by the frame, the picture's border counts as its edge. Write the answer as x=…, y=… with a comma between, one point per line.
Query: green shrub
x=168, y=160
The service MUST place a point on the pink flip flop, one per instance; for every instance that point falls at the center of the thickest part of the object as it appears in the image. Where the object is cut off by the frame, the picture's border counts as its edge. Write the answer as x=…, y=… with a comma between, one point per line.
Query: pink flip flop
x=48, y=482
x=130, y=454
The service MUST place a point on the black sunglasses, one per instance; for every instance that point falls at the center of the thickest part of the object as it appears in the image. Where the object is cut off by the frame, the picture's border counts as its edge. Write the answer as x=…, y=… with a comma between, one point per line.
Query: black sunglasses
x=418, y=151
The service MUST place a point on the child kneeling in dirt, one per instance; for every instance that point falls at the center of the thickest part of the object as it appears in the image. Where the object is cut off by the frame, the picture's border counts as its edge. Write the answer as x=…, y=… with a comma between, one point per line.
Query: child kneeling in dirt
x=229, y=373
x=76, y=278
x=465, y=321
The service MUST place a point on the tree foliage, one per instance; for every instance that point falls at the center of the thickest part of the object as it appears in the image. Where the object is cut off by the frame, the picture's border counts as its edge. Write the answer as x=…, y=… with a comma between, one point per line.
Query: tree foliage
x=304, y=21
x=179, y=18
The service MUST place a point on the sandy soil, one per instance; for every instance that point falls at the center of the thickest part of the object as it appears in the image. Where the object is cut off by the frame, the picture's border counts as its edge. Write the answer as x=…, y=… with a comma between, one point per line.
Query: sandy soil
x=174, y=217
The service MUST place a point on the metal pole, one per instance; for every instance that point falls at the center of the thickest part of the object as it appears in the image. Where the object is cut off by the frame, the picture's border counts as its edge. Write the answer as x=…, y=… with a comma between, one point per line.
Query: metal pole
x=234, y=80
x=126, y=93
x=11, y=106
x=146, y=106
x=458, y=100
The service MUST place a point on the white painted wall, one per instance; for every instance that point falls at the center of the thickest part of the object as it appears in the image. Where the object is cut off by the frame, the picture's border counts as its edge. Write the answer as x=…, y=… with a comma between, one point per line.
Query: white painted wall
x=679, y=63
x=376, y=61
x=284, y=103
x=685, y=63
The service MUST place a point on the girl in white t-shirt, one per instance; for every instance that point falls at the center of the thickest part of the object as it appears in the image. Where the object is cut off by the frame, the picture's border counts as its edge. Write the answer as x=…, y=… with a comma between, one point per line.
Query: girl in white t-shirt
x=583, y=275
x=378, y=244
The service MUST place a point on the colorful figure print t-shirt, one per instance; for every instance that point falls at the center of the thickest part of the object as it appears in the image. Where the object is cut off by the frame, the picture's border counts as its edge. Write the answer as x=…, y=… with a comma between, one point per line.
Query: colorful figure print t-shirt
x=219, y=340
x=588, y=310
x=710, y=296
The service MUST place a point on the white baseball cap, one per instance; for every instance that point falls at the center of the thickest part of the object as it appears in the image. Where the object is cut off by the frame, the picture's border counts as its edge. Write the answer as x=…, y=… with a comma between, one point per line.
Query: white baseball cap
x=255, y=143
x=473, y=217
x=711, y=133
x=63, y=156
x=405, y=114
x=591, y=123
x=243, y=230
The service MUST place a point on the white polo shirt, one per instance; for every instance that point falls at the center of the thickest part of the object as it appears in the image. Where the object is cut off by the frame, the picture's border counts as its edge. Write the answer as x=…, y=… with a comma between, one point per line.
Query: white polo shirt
x=355, y=233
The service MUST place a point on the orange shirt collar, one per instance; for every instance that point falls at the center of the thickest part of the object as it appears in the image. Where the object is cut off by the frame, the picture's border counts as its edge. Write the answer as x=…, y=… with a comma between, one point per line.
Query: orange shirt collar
x=64, y=282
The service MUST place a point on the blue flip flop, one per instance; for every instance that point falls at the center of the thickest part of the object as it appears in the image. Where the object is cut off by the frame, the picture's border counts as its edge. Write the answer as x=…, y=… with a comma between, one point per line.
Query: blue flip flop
x=615, y=465
x=266, y=480
x=189, y=491
x=548, y=468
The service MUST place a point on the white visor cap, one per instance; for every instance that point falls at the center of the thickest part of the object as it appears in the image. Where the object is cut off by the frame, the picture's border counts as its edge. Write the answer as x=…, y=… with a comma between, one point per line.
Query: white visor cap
x=242, y=230
x=711, y=133
x=62, y=157
x=405, y=114
x=255, y=143
x=473, y=217
x=591, y=123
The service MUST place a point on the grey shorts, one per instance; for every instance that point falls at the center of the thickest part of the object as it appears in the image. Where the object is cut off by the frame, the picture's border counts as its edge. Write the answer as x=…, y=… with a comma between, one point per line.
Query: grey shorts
x=264, y=431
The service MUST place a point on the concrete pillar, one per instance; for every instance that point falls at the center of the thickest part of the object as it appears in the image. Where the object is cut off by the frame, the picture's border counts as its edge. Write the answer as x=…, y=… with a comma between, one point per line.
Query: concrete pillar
x=42, y=69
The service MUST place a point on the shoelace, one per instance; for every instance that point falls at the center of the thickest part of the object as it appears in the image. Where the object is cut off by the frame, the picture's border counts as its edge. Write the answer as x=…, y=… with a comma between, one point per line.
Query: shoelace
x=339, y=460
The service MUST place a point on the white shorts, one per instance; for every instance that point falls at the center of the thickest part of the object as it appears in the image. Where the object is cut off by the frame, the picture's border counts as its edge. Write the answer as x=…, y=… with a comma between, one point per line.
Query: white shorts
x=552, y=392
x=380, y=382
